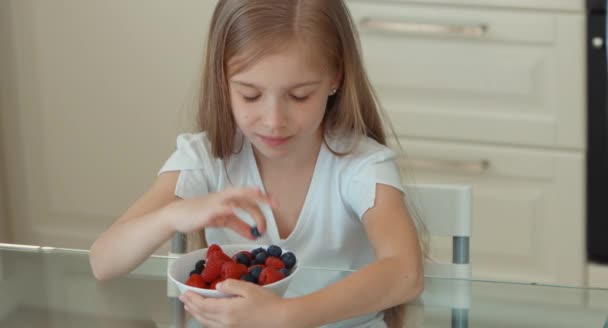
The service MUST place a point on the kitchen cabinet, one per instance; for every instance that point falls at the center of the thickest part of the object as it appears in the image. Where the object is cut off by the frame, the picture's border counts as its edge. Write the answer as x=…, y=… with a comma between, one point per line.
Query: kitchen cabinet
x=494, y=98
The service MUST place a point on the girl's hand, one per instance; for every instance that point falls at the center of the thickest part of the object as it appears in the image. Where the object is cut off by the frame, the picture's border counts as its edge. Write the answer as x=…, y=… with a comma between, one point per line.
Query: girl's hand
x=217, y=210
x=252, y=306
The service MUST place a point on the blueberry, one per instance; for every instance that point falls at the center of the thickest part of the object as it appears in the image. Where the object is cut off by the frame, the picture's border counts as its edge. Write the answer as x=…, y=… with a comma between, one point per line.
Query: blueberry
x=199, y=266
x=193, y=272
x=249, y=278
x=274, y=250
x=260, y=258
x=243, y=259
x=256, y=251
x=255, y=232
x=285, y=272
x=289, y=259
x=255, y=272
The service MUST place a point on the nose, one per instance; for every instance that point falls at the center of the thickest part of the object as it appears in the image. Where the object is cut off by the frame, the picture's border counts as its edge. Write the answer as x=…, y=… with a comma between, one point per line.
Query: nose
x=275, y=115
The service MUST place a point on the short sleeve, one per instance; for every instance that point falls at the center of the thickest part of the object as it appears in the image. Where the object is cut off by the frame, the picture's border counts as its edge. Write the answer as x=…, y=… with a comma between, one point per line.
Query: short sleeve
x=192, y=159
x=361, y=186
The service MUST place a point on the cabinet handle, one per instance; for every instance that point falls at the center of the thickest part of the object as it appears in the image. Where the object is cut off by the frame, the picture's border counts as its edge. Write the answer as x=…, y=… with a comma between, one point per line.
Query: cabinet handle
x=443, y=164
x=403, y=27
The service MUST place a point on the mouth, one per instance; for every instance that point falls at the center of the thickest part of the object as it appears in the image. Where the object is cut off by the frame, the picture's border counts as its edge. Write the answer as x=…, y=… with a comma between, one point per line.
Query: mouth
x=274, y=141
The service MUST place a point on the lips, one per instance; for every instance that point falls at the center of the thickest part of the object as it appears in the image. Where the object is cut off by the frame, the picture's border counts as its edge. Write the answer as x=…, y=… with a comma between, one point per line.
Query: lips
x=274, y=141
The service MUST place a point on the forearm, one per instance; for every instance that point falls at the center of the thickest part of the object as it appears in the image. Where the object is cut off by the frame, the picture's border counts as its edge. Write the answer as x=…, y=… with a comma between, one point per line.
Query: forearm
x=375, y=287
x=127, y=244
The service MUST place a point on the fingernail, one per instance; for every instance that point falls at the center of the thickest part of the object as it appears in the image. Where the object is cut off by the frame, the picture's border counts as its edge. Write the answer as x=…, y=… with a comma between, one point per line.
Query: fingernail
x=219, y=285
x=182, y=298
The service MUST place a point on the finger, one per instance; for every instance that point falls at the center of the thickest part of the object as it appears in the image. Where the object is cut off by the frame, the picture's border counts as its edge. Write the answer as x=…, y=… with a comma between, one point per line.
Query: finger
x=249, y=193
x=235, y=287
x=240, y=227
x=199, y=304
x=255, y=212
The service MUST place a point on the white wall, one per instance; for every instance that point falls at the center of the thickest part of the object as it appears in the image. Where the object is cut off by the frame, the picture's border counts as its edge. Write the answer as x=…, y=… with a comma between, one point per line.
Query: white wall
x=93, y=96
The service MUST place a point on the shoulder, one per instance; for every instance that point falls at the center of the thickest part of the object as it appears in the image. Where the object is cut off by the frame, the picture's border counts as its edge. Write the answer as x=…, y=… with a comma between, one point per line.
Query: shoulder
x=355, y=152
x=195, y=144
x=192, y=152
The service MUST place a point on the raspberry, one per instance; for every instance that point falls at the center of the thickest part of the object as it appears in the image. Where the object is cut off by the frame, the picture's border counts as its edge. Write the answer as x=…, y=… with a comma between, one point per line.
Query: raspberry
x=197, y=281
x=270, y=275
x=216, y=251
x=214, y=248
x=275, y=262
x=212, y=269
x=233, y=270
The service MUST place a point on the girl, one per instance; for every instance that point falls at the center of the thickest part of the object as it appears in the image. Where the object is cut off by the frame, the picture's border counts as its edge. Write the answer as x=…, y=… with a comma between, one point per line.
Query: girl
x=291, y=134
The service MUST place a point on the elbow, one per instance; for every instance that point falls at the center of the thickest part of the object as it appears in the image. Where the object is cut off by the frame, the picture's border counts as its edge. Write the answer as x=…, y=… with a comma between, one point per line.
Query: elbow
x=414, y=286
x=99, y=271
x=418, y=286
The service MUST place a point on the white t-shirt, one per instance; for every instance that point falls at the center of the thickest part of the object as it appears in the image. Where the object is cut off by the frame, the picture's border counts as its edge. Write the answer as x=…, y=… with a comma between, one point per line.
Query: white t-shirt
x=328, y=233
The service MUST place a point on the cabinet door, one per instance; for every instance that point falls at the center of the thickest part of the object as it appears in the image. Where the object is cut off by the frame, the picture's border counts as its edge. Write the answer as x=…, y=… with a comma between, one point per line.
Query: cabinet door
x=458, y=73
x=96, y=94
x=528, y=216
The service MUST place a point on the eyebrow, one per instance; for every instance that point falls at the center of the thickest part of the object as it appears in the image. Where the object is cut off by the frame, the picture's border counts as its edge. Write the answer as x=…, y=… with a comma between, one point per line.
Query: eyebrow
x=297, y=85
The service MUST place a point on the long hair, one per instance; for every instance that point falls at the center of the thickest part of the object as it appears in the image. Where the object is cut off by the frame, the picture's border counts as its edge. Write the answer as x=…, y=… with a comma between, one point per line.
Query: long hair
x=243, y=31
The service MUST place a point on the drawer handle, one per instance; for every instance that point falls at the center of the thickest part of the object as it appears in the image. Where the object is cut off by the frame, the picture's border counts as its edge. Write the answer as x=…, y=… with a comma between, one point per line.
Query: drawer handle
x=402, y=27
x=443, y=164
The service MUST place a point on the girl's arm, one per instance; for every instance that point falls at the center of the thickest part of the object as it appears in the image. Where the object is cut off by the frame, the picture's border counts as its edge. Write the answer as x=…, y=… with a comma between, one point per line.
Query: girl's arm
x=143, y=228
x=396, y=277
x=159, y=214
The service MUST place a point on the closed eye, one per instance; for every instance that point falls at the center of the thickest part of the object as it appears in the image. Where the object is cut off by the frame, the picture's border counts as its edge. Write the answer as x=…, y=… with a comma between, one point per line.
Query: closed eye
x=251, y=99
x=299, y=99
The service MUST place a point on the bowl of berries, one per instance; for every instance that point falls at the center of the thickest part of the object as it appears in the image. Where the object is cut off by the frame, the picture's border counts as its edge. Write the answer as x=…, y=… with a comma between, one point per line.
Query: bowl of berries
x=201, y=270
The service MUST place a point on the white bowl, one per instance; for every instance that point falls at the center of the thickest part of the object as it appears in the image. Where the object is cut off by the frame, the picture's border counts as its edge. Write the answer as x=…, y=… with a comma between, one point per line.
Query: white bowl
x=179, y=271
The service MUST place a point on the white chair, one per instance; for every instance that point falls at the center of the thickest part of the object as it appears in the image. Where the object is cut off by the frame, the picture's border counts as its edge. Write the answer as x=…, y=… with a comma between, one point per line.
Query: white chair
x=446, y=210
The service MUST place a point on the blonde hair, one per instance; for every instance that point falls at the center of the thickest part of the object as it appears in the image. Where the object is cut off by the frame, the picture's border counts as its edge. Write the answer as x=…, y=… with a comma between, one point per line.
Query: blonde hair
x=243, y=31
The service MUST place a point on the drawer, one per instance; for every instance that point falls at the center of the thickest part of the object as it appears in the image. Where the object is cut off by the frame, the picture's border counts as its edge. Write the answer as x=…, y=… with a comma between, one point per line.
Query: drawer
x=528, y=207
x=483, y=75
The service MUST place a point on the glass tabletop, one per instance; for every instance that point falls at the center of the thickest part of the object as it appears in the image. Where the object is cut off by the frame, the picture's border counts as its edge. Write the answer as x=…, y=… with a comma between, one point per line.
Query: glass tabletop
x=54, y=287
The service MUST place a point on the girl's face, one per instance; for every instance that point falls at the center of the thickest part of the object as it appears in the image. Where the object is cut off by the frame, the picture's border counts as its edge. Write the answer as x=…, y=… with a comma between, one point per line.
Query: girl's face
x=279, y=101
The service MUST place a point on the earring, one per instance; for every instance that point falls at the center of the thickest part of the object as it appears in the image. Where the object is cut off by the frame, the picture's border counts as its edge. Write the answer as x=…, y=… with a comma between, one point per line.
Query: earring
x=333, y=91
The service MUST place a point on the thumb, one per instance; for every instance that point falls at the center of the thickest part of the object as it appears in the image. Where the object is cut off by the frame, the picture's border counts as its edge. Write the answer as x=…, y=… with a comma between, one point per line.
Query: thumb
x=235, y=287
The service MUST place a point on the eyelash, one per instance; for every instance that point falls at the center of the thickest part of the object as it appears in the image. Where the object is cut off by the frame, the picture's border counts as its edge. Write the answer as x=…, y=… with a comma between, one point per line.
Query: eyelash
x=253, y=99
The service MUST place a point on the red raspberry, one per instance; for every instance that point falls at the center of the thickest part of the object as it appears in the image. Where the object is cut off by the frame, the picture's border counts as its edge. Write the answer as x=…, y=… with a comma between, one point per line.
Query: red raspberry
x=197, y=281
x=214, y=248
x=215, y=251
x=275, y=262
x=212, y=270
x=233, y=270
x=270, y=275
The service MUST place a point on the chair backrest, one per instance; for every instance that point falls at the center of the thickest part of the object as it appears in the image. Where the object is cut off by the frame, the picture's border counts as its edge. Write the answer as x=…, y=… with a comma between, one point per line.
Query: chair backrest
x=446, y=210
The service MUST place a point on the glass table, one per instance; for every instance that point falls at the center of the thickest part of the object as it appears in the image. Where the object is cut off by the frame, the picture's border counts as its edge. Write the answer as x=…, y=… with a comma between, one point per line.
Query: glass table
x=54, y=287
